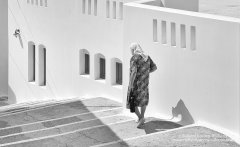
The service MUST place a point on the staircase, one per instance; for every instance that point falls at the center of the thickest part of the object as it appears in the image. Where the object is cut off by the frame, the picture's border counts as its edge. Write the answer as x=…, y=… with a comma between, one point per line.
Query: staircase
x=94, y=122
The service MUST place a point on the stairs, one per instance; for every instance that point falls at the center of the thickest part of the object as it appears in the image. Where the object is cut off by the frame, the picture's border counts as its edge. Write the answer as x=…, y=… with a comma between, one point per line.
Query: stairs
x=91, y=122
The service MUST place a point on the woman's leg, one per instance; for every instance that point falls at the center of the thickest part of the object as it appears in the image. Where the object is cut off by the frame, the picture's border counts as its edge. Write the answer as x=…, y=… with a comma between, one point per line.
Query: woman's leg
x=137, y=113
x=142, y=119
x=143, y=109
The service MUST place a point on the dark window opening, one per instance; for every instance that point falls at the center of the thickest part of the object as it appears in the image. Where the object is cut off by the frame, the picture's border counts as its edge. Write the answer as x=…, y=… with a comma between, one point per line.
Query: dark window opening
x=87, y=65
x=119, y=73
x=44, y=65
x=31, y=63
x=102, y=68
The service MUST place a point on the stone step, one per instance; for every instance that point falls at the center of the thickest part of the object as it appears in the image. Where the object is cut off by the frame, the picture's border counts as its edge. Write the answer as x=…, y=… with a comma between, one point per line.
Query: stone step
x=26, y=106
x=58, y=121
x=188, y=137
x=97, y=135
x=58, y=130
x=57, y=111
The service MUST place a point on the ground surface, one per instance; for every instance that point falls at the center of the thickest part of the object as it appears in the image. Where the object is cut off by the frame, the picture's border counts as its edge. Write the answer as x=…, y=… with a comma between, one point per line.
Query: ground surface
x=98, y=122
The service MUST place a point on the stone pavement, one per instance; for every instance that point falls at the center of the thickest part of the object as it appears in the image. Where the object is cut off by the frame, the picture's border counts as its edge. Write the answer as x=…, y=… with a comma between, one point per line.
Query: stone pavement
x=97, y=122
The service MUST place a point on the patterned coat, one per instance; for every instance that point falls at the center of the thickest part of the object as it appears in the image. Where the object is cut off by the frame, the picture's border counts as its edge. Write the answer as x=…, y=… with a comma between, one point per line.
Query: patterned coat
x=141, y=81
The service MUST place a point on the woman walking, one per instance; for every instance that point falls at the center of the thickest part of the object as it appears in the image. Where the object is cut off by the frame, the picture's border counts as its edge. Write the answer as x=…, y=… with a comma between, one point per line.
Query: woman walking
x=140, y=67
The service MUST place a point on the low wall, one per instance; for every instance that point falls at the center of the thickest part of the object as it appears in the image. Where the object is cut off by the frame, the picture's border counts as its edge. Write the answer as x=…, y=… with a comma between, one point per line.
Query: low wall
x=198, y=63
x=4, y=48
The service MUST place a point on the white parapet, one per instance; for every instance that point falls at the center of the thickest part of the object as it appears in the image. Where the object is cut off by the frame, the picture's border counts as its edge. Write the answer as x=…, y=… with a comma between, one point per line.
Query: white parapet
x=4, y=48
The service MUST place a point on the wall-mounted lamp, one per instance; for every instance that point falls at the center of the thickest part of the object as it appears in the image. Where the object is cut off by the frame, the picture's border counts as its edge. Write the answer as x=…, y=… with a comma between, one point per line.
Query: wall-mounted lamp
x=16, y=33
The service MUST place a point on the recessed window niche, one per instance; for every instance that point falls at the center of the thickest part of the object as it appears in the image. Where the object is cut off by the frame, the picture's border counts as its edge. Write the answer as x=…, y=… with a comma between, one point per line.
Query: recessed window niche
x=164, y=32
x=121, y=10
x=99, y=67
x=42, y=65
x=89, y=7
x=46, y=3
x=31, y=62
x=116, y=71
x=108, y=9
x=193, y=38
x=114, y=9
x=41, y=2
x=83, y=6
x=84, y=62
x=155, y=30
x=173, y=34
x=183, y=35
x=95, y=7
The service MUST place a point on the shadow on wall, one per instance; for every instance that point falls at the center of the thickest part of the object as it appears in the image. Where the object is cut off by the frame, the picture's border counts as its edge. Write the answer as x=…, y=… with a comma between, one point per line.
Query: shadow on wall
x=181, y=109
x=10, y=99
x=153, y=125
x=11, y=96
x=20, y=41
x=3, y=101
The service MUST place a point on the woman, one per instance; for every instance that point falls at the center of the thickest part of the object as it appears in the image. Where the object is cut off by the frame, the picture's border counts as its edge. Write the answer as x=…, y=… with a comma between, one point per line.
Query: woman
x=140, y=67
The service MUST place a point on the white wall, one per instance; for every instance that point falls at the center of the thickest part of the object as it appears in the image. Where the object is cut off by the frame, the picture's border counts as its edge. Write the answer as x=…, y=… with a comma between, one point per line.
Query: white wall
x=63, y=29
x=3, y=48
x=205, y=79
x=203, y=84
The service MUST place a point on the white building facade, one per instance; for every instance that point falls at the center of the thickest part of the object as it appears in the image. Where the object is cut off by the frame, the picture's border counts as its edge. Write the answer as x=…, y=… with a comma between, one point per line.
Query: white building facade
x=80, y=48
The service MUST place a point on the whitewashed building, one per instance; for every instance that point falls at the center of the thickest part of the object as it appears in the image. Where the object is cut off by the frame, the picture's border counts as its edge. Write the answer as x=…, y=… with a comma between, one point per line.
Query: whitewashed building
x=80, y=48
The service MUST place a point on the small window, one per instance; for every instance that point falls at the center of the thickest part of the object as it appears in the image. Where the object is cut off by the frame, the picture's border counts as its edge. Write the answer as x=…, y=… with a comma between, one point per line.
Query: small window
x=108, y=9
x=102, y=68
x=28, y=1
x=87, y=64
x=114, y=9
x=84, y=62
x=193, y=38
x=183, y=36
x=155, y=31
x=42, y=66
x=83, y=6
x=173, y=34
x=121, y=10
x=118, y=73
x=32, y=2
x=41, y=2
x=164, y=32
x=95, y=7
x=36, y=2
x=31, y=62
x=46, y=3
x=99, y=67
x=89, y=7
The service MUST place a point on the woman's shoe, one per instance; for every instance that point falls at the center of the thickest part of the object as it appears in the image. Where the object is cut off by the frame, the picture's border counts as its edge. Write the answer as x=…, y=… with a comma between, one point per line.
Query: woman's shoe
x=141, y=122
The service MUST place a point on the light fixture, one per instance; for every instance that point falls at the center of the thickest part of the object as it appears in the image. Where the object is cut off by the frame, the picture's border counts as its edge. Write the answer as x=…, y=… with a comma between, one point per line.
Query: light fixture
x=16, y=33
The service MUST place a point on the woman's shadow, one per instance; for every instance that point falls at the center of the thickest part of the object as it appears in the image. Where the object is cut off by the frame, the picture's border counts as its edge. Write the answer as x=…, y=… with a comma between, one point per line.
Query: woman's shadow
x=180, y=117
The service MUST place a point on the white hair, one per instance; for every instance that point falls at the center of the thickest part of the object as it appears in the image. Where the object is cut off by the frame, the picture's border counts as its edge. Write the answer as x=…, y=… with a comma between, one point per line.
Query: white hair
x=138, y=50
